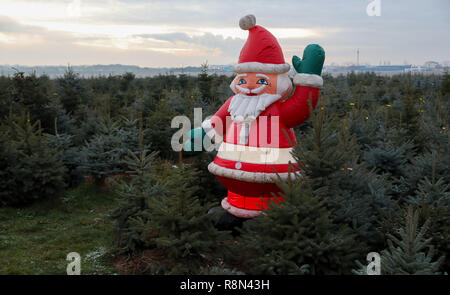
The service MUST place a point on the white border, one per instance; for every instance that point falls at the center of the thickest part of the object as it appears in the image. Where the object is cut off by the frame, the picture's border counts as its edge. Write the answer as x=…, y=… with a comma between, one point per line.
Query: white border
x=310, y=80
x=261, y=68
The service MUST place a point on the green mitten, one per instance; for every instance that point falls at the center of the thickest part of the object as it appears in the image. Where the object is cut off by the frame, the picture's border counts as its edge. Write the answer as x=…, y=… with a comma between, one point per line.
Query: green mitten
x=189, y=145
x=312, y=63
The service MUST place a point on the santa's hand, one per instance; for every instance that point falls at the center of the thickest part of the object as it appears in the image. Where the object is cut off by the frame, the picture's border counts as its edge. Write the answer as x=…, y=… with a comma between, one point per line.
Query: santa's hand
x=312, y=63
x=194, y=144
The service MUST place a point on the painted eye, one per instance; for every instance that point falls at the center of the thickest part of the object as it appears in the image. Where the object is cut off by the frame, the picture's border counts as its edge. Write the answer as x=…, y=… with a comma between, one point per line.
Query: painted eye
x=242, y=81
x=262, y=81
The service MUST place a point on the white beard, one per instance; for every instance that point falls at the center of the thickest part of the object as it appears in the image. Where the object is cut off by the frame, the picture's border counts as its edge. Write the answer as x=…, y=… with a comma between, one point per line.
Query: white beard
x=246, y=108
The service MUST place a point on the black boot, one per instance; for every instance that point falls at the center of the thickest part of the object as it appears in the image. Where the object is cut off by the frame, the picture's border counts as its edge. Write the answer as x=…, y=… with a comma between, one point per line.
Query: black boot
x=223, y=220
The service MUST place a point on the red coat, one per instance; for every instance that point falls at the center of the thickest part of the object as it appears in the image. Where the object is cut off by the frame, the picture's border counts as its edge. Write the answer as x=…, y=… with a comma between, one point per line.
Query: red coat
x=249, y=170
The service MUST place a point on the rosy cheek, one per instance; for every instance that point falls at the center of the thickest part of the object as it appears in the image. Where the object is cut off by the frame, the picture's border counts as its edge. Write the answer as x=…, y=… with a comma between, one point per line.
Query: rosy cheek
x=273, y=88
x=269, y=89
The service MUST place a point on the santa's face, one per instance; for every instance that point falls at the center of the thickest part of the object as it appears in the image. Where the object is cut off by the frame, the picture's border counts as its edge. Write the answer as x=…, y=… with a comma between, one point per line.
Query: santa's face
x=252, y=84
x=254, y=93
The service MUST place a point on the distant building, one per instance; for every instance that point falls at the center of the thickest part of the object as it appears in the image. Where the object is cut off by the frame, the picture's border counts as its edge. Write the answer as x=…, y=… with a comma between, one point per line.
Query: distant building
x=431, y=65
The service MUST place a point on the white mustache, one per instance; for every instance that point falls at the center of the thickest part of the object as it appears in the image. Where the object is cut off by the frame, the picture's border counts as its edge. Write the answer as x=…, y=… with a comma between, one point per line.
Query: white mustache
x=247, y=91
x=242, y=89
x=259, y=89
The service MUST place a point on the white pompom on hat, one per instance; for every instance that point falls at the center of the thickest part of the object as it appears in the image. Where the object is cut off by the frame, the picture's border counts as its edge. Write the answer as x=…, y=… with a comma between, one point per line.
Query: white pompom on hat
x=247, y=22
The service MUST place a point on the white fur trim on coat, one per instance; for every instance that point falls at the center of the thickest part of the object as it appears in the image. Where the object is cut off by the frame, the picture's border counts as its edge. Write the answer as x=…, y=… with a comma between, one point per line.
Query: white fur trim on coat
x=254, y=177
x=239, y=212
x=255, y=155
x=310, y=80
x=261, y=68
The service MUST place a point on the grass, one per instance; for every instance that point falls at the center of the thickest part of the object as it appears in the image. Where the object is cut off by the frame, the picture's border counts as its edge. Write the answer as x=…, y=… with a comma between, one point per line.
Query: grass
x=36, y=239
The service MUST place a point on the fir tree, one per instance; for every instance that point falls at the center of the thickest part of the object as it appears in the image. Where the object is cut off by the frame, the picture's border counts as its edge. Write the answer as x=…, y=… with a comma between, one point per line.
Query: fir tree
x=159, y=133
x=319, y=153
x=297, y=237
x=212, y=191
x=182, y=227
x=163, y=213
x=103, y=154
x=428, y=175
x=204, y=83
x=445, y=86
x=69, y=154
x=30, y=94
x=63, y=122
x=356, y=194
x=30, y=170
x=438, y=218
x=387, y=158
x=364, y=127
x=71, y=90
x=411, y=119
x=126, y=80
x=5, y=100
x=135, y=193
x=360, y=200
x=434, y=192
x=409, y=252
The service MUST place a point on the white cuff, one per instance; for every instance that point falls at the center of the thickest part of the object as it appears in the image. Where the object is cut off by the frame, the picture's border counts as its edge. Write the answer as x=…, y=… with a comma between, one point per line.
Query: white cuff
x=310, y=80
x=238, y=212
x=209, y=129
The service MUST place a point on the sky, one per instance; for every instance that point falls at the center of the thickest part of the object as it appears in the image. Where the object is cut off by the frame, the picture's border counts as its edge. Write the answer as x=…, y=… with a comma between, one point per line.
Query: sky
x=176, y=33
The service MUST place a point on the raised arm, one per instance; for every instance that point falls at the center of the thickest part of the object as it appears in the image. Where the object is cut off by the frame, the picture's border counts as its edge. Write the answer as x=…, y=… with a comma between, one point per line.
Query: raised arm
x=307, y=82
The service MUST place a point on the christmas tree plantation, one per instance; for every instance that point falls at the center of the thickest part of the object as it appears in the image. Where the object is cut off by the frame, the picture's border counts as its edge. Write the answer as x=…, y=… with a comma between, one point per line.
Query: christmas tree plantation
x=374, y=146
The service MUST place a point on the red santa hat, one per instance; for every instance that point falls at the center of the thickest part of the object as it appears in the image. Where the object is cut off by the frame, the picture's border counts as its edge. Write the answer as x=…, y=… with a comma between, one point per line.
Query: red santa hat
x=261, y=52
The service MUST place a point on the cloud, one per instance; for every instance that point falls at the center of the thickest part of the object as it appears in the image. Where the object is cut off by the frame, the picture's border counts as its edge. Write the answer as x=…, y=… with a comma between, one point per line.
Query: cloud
x=8, y=25
x=188, y=32
x=228, y=46
x=33, y=45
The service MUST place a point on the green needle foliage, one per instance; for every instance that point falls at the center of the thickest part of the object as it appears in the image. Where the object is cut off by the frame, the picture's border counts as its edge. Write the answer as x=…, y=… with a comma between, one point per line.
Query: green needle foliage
x=103, y=155
x=356, y=195
x=315, y=151
x=181, y=227
x=373, y=145
x=135, y=193
x=71, y=90
x=410, y=252
x=297, y=237
x=164, y=213
x=29, y=169
x=438, y=229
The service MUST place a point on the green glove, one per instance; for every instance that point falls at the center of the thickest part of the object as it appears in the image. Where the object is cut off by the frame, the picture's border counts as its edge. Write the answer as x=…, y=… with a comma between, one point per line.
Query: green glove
x=312, y=63
x=189, y=145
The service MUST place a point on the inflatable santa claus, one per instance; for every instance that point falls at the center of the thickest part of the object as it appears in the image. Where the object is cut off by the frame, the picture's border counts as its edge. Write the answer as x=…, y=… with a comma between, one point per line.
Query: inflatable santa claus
x=255, y=125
